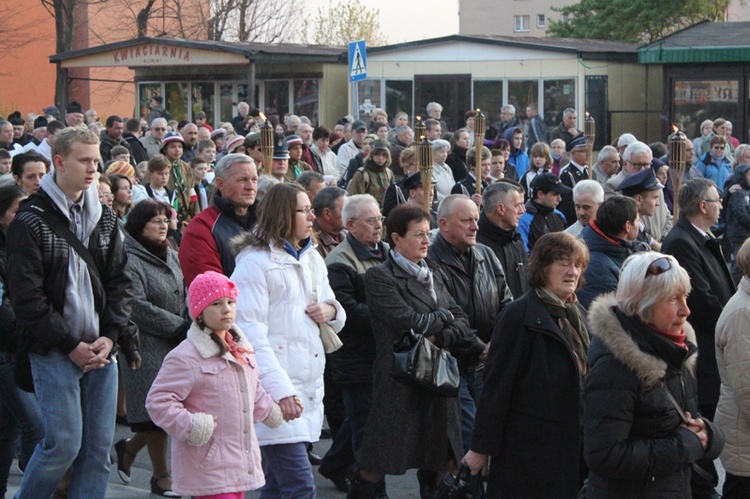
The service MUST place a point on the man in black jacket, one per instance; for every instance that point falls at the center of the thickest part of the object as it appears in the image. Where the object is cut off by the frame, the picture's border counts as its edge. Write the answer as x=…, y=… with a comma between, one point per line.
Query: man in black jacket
x=475, y=279
x=502, y=208
x=132, y=132
x=351, y=365
x=70, y=309
x=692, y=244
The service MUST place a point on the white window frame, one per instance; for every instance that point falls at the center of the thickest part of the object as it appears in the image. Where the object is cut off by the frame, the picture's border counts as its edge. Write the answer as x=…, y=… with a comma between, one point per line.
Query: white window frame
x=518, y=23
x=541, y=21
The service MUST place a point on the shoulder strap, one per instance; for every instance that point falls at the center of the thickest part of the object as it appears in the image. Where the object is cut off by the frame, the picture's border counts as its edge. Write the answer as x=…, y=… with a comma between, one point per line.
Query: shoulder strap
x=63, y=231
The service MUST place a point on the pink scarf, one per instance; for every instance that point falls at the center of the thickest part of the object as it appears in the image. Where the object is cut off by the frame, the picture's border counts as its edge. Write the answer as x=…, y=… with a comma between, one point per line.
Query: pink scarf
x=236, y=350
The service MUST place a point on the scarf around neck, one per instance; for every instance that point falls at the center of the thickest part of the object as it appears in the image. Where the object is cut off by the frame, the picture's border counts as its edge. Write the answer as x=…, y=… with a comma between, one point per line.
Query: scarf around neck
x=421, y=272
x=568, y=316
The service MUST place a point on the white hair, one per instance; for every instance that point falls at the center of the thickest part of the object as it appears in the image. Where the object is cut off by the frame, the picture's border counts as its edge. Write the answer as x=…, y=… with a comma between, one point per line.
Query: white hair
x=591, y=187
x=626, y=139
x=637, y=148
x=638, y=291
x=159, y=121
x=353, y=206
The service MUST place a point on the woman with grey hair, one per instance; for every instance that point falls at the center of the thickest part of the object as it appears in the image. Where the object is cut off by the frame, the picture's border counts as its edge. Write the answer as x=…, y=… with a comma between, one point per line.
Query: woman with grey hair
x=642, y=429
x=441, y=172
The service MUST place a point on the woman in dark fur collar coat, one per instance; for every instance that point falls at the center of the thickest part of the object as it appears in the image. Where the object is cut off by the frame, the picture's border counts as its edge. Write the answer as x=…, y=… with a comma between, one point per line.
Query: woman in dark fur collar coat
x=637, y=443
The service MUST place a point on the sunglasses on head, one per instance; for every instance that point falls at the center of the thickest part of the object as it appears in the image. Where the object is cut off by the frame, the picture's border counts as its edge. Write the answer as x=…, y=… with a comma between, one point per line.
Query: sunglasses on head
x=658, y=266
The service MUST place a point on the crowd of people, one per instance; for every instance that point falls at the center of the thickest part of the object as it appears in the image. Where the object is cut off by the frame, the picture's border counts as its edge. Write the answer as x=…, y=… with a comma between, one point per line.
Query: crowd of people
x=161, y=274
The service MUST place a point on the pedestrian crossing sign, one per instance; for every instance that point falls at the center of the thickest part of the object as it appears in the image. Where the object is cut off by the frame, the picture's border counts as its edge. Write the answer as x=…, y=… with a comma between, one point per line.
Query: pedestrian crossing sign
x=357, y=61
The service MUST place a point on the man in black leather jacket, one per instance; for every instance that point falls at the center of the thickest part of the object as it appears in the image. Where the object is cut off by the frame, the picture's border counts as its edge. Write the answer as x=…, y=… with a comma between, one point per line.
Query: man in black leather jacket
x=502, y=207
x=476, y=280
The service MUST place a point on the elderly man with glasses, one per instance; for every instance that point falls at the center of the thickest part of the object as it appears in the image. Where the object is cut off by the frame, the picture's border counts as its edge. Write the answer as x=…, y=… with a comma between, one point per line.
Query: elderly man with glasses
x=152, y=141
x=698, y=252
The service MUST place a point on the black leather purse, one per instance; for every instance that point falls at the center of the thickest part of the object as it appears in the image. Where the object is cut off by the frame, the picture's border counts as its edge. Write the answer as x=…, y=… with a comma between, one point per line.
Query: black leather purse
x=420, y=364
x=462, y=486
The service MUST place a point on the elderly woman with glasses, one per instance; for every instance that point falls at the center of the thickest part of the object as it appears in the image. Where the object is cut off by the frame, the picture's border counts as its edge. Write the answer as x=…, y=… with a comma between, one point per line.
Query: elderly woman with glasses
x=528, y=418
x=161, y=315
x=409, y=428
x=642, y=428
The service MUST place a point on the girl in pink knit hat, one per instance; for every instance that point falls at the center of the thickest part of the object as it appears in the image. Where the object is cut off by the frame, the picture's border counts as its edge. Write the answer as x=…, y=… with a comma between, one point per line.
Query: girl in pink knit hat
x=207, y=397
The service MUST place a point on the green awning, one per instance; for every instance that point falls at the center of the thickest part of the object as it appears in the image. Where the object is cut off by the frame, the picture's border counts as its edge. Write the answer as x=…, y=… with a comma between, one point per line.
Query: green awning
x=665, y=54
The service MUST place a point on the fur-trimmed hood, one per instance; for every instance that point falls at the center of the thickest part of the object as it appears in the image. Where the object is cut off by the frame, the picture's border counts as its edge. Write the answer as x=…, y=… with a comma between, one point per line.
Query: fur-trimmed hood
x=604, y=325
x=201, y=340
x=242, y=241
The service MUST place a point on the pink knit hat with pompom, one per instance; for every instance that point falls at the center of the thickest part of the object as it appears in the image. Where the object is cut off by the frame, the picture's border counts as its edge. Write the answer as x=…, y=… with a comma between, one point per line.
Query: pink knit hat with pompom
x=206, y=289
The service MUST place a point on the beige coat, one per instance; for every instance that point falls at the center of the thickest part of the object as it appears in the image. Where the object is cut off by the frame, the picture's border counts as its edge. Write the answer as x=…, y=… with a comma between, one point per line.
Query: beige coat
x=733, y=359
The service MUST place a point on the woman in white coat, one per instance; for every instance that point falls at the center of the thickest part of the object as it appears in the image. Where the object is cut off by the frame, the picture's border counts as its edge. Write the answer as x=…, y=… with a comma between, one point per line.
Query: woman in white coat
x=284, y=296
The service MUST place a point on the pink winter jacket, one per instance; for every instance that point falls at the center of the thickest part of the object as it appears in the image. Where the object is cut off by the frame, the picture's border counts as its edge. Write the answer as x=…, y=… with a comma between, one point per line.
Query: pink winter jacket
x=194, y=386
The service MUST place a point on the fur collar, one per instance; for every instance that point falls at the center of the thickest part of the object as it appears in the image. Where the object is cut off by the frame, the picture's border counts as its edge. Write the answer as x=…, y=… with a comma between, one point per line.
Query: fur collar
x=242, y=241
x=605, y=326
x=206, y=347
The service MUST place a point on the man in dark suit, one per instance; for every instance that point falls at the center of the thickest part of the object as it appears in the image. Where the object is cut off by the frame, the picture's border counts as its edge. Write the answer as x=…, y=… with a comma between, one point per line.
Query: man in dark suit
x=692, y=244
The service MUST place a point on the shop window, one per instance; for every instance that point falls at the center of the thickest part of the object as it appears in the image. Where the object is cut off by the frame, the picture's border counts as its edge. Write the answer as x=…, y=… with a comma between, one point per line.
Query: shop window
x=694, y=101
x=399, y=96
x=176, y=100
x=203, y=99
x=306, y=99
x=226, y=103
x=368, y=98
x=520, y=94
x=488, y=96
x=521, y=23
x=145, y=92
x=276, y=97
x=558, y=96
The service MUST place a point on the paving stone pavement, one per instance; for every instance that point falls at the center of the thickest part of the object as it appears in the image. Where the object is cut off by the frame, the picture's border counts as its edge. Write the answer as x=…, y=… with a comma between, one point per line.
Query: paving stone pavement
x=399, y=487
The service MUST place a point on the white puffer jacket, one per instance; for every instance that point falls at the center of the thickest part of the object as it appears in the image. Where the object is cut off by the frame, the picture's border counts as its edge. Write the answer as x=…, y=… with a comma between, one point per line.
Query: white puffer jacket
x=274, y=291
x=733, y=358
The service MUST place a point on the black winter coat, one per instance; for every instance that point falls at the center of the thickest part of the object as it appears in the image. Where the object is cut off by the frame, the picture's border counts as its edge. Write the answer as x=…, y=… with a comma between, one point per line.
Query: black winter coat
x=408, y=428
x=39, y=259
x=510, y=250
x=633, y=442
x=528, y=418
x=712, y=288
x=7, y=317
x=352, y=363
x=481, y=291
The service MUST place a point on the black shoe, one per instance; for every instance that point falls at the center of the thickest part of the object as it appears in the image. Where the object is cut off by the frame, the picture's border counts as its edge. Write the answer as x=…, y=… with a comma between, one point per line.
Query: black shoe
x=120, y=451
x=159, y=491
x=361, y=489
x=427, y=488
x=123, y=420
x=314, y=459
x=339, y=478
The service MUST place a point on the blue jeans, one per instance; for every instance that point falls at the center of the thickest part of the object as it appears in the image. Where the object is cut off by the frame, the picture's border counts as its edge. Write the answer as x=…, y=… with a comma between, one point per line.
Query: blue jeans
x=357, y=404
x=469, y=391
x=79, y=417
x=288, y=472
x=20, y=421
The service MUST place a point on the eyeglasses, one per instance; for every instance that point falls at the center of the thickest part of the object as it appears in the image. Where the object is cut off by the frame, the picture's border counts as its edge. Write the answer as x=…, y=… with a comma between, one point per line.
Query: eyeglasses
x=159, y=221
x=307, y=211
x=640, y=165
x=718, y=147
x=420, y=235
x=658, y=266
x=372, y=220
x=713, y=200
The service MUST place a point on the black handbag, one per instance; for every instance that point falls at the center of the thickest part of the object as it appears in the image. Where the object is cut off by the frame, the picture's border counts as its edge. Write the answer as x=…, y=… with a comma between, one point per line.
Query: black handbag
x=462, y=486
x=420, y=364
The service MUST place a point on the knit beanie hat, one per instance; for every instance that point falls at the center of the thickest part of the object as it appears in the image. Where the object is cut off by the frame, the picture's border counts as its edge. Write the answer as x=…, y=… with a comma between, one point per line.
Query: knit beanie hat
x=206, y=289
x=121, y=168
